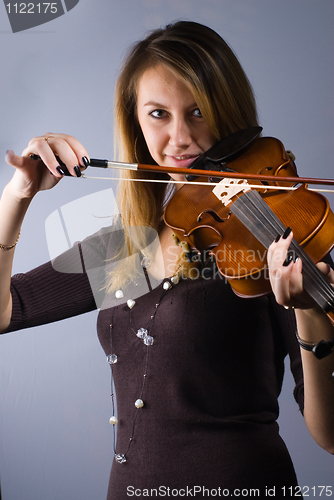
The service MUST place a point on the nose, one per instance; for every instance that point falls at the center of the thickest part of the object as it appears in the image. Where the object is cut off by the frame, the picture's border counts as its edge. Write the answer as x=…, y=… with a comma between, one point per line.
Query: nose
x=180, y=133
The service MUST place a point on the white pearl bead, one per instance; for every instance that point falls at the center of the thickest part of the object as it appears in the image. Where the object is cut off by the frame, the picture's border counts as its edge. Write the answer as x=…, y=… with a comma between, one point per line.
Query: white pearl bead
x=113, y=420
x=131, y=303
x=166, y=285
x=119, y=294
x=139, y=403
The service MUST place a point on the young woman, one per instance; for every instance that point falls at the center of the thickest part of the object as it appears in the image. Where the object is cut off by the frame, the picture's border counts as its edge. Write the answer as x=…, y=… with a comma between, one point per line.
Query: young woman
x=197, y=369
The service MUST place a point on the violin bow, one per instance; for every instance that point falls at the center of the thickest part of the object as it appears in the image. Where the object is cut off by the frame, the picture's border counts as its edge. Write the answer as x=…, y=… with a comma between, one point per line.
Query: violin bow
x=208, y=173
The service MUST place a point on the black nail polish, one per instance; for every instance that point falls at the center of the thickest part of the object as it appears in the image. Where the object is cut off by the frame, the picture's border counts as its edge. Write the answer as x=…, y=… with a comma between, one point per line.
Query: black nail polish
x=60, y=161
x=60, y=171
x=63, y=167
x=286, y=233
x=77, y=171
x=278, y=237
x=287, y=260
x=34, y=157
x=290, y=256
x=85, y=161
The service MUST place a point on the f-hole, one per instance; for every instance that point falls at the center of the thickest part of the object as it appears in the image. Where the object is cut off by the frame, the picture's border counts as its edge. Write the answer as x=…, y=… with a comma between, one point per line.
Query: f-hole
x=213, y=214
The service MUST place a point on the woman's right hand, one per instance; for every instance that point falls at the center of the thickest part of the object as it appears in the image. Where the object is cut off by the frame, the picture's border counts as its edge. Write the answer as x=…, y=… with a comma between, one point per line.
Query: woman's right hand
x=33, y=175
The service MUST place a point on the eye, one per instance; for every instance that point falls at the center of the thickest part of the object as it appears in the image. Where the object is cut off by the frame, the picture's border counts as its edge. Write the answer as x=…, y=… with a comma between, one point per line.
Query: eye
x=158, y=113
x=197, y=112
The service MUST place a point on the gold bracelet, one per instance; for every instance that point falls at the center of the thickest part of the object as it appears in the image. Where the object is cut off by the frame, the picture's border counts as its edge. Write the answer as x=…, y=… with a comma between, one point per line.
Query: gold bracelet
x=9, y=247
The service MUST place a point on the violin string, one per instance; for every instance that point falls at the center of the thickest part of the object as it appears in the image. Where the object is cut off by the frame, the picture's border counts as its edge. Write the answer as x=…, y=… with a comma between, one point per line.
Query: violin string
x=162, y=181
x=315, y=275
x=311, y=273
x=199, y=183
x=258, y=220
x=321, y=190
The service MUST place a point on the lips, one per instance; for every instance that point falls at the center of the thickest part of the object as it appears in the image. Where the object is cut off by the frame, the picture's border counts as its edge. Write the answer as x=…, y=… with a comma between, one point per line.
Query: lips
x=182, y=161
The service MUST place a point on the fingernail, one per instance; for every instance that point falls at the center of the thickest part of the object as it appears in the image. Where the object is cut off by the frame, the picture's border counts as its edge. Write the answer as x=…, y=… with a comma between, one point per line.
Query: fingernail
x=290, y=256
x=77, y=171
x=287, y=260
x=85, y=161
x=277, y=238
x=286, y=233
x=34, y=157
x=63, y=167
x=60, y=171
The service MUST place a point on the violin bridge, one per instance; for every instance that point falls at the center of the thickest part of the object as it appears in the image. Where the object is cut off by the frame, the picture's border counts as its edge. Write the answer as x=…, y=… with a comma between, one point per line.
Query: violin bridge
x=228, y=188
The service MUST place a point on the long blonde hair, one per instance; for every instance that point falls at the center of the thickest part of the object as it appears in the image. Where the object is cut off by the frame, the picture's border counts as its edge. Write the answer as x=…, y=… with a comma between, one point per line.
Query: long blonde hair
x=204, y=62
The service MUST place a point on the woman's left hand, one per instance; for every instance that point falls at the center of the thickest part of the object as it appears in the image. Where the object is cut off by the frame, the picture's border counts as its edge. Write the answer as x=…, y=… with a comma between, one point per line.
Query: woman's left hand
x=286, y=278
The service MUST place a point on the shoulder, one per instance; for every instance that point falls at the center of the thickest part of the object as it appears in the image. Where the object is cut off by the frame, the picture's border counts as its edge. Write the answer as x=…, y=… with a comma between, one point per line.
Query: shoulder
x=92, y=252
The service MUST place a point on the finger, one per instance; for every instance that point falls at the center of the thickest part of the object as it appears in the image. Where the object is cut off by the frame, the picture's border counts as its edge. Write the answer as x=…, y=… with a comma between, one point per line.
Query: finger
x=62, y=169
x=287, y=285
x=55, y=153
x=79, y=151
x=280, y=284
x=277, y=252
x=41, y=148
x=296, y=279
x=17, y=161
x=330, y=276
x=67, y=151
x=282, y=279
x=324, y=268
x=77, y=156
x=327, y=271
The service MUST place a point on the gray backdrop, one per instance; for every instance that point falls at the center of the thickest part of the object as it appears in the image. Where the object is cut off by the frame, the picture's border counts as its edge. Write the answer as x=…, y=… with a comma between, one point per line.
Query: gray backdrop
x=55, y=438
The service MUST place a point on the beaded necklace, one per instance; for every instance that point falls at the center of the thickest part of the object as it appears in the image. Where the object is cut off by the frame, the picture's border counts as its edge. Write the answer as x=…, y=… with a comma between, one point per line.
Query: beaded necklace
x=144, y=334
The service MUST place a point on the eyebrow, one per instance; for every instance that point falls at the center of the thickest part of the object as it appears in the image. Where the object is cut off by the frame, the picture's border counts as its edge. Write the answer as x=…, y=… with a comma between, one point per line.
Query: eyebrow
x=153, y=103
x=159, y=105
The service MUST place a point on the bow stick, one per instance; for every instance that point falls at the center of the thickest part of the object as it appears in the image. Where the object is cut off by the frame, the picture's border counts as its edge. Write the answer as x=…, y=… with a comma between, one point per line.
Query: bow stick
x=208, y=173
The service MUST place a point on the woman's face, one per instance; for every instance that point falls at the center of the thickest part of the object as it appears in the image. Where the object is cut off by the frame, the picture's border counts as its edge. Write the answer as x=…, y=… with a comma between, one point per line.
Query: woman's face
x=172, y=124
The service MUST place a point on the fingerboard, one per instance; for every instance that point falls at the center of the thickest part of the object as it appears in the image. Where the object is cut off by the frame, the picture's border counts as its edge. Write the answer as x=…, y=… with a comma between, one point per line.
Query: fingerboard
x=262, y=222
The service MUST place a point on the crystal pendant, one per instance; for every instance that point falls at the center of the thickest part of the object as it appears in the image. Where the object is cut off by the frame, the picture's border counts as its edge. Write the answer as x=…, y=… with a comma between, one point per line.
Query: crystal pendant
x=148, y=340
x=112, y=359
x=142, y=333
x=131, y=303
x=145, y=262
x=120, y=458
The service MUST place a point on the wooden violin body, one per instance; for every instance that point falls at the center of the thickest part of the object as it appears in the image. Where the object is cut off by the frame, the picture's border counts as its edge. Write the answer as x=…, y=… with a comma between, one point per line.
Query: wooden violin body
x=203, y=217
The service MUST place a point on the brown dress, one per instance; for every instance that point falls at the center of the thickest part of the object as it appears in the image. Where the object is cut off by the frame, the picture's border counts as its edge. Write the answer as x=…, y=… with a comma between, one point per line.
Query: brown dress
x=213, y=375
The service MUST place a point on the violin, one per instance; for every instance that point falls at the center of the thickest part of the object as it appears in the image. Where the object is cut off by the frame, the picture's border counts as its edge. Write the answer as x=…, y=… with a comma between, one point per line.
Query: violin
x=237, y=223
